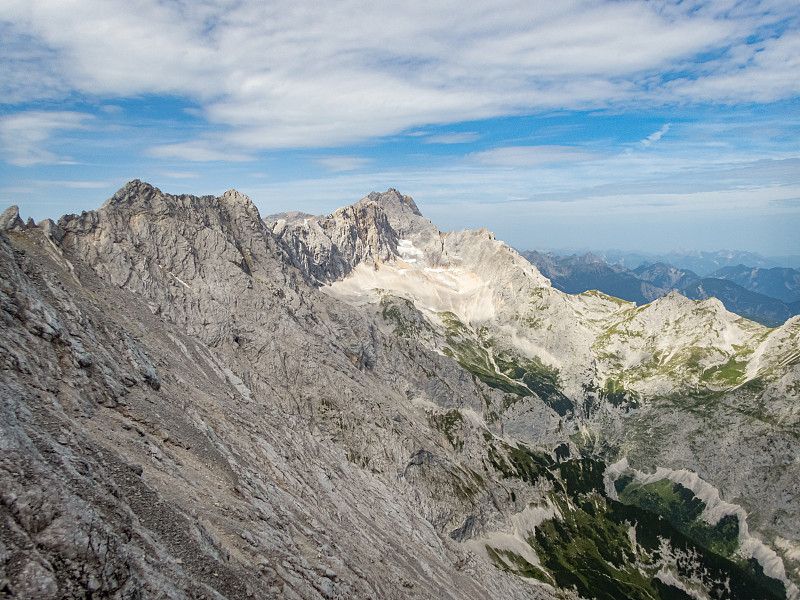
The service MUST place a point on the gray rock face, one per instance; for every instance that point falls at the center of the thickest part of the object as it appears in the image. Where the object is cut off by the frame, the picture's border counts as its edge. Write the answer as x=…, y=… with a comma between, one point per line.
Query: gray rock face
x=10, y=220
x=184, y=416
x=328, y=248
x=617, y=380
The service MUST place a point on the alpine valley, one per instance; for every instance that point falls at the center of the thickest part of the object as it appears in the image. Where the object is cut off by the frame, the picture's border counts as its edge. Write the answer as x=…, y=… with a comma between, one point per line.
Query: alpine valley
x=201, y=403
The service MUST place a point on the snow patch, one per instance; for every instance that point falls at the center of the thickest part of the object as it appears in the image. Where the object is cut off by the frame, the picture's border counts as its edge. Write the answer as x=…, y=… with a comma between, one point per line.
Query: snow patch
x=238, y=384
x=179, y=280
x=408, y=252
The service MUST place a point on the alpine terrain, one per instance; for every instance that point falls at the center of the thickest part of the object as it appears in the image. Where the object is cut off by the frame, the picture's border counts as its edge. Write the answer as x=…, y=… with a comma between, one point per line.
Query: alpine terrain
x=768, y=296
x=201, y=403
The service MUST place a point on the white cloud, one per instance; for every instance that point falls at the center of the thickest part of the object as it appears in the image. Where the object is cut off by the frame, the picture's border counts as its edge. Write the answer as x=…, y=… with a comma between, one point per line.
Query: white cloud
x=23, y=136
x=342, y=163
x=526, y=156
x=197, y=151
x=654, y=137
x=613, y=202
x=458, y=137
x=305, y=74
x=759, y=72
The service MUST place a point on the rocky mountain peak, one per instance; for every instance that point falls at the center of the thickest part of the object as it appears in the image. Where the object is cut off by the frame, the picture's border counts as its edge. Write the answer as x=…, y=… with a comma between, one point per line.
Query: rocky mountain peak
x=10, y=219
x=589, y=259
x=233, y=197
x=328, y=248
x=238, y=204
x=392, y=200
x=139, y=200
x=135, y=190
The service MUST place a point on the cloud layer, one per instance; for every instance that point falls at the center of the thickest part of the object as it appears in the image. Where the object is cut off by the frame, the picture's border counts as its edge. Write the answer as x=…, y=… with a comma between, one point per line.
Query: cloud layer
x=22, y=135
x=305, y=74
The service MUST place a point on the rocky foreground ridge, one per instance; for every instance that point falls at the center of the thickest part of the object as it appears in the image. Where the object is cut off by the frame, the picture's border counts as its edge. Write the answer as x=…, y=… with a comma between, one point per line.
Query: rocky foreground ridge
x=198, y=403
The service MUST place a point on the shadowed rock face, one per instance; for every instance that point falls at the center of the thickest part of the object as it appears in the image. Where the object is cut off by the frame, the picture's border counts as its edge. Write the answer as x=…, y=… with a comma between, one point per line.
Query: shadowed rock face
x=186, y=414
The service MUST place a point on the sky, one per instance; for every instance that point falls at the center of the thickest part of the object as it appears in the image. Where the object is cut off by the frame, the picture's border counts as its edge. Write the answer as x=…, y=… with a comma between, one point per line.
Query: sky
x=647, y=125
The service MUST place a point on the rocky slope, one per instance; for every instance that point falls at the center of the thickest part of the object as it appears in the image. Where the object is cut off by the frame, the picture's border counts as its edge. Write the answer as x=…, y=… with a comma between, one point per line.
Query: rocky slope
x=184, y=417
x=197, y=403
x=674, y=384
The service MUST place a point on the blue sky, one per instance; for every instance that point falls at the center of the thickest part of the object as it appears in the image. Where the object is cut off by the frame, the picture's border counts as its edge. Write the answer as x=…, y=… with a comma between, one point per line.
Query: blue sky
x=574, y=124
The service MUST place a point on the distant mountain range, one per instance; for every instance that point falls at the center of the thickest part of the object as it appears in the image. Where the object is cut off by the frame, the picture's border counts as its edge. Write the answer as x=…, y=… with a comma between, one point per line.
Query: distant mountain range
x=701, y=262
x=766, y=295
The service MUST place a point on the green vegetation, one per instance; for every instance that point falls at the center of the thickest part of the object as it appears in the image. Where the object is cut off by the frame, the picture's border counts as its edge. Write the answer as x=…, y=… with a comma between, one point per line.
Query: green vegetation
x=538, y=378
x=591, y=548
x=608, y=549
x=591, y=552
x=516, y=376
x=615, y=393
x=404, y=315
x=520, y=463
x=472, y=356
x=511, y=562
x=467, y=484
x=604, y=296
x=449, y=424
x=682, y=509
x=730, y=374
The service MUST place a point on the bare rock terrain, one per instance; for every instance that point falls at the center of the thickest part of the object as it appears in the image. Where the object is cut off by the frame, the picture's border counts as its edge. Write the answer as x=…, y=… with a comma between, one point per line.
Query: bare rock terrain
x=197, y=403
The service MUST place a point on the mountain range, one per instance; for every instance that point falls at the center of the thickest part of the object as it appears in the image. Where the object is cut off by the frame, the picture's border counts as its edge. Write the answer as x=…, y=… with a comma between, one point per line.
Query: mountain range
x=767, y=295
x=198, y=402
x=701, y=262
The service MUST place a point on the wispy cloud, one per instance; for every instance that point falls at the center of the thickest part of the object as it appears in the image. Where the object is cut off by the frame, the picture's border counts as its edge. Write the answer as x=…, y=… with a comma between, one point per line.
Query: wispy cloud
x=24, y=136
x=654, y=137
x=526, y=156
x=458, y=137
x=764, y=71
x=550, y=108
x=79, y=185
x=342, y=163
x=614, y=199
x=197, y=151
